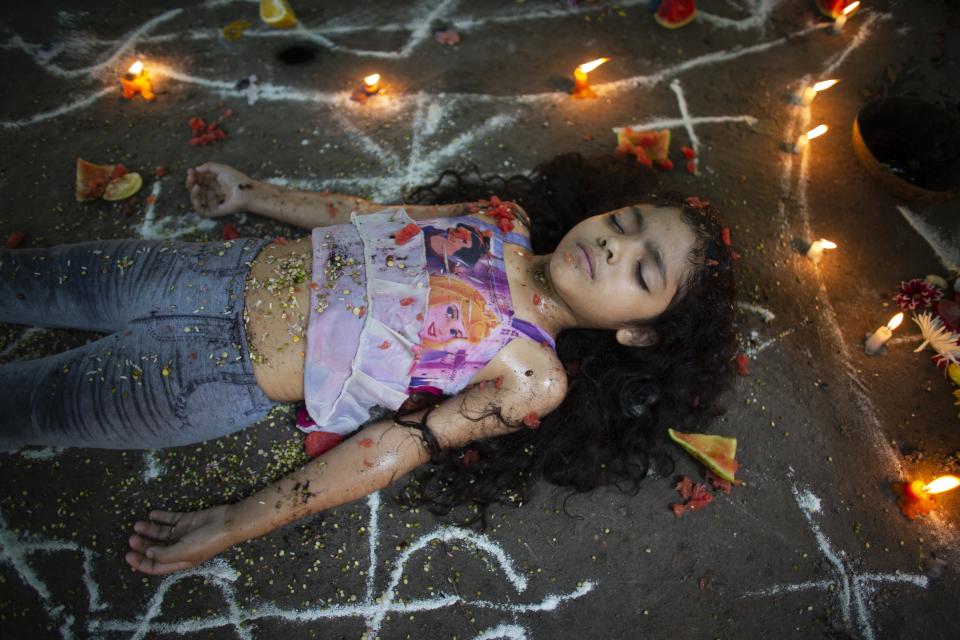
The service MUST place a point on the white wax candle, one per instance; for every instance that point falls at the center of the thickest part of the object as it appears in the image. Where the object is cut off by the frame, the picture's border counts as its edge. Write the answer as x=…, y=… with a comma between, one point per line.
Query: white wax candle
x=881, y=335
x=815, y=252
x=839, y=23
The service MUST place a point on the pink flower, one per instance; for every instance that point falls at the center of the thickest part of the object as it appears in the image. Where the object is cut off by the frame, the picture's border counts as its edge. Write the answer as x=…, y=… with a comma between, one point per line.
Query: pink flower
x=917, y=294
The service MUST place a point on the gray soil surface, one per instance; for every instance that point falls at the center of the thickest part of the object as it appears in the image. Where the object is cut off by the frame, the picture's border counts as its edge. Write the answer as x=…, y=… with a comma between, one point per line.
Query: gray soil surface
x=811, y=546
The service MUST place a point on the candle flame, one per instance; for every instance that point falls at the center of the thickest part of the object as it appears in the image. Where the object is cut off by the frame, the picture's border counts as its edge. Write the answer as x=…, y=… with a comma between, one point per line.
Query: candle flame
x=372, y=79
x=826, y=244
x=895, y=321
x=823, y=85
x=817, y=131
x=850, y=8
x=941, y=484
x=587, y=67
x=136, y=68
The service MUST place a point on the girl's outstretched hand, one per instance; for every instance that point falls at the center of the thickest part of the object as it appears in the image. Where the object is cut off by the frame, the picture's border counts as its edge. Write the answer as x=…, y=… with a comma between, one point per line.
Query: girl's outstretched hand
x=173, y=541
x=217, y=189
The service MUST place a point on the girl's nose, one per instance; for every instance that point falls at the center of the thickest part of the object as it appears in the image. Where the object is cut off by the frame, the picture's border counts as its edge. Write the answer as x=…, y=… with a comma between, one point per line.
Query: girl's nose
x=611, y=246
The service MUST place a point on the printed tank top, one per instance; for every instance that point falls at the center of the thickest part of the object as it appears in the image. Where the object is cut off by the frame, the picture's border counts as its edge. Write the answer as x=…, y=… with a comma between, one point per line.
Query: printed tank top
x=400, y=307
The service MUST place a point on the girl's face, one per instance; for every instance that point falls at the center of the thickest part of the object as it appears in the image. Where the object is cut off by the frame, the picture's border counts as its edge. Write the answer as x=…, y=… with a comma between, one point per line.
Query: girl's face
x=444, y=323
x=624, y=266
x=453, y=241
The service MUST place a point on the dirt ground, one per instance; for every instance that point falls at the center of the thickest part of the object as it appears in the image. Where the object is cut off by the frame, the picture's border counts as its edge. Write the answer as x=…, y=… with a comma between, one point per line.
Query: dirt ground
x=811, y=546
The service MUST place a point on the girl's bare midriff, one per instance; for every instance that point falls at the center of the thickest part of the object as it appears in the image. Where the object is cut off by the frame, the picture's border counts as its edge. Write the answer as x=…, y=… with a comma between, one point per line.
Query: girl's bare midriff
x=276, y=312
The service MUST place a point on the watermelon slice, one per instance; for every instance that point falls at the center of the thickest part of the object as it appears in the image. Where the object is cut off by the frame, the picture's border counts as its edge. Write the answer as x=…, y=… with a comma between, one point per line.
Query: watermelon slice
x=92, y=179
x=674, y=14
x=646, y=145
x=716, y=452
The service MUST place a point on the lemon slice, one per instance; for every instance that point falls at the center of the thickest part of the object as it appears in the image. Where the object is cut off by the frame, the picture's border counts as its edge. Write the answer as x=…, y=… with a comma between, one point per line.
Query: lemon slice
x=123, y=187
x=277, y=13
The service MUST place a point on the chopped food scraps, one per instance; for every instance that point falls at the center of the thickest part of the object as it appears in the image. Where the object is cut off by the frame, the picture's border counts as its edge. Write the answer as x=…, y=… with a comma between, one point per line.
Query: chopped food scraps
x=94, y=180
x=204, y=132
x=697, y=496
x=716, y=452
x=234, y=30
x=647, y=146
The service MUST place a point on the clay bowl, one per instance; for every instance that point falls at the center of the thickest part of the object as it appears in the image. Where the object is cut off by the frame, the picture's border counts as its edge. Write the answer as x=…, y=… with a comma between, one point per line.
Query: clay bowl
x=911, y=147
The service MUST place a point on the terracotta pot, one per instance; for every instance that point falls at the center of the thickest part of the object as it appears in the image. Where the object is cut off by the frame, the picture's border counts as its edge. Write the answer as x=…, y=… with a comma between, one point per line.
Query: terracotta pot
x=911, y=147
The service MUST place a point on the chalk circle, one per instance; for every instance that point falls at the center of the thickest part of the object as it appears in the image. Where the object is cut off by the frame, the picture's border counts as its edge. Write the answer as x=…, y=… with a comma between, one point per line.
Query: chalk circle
x=910, y=146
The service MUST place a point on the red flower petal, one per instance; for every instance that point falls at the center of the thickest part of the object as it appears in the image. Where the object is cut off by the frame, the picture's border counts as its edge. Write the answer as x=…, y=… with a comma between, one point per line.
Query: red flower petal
x=14, y=239
x=319, y=442
x=531, y=420
x=666, y=164
x=725, y=236
x=384, y=345
x=229, y=231
x=692, y=167
x=742, y=361
x=405, y=234
x=406, y=302
x=688, y=153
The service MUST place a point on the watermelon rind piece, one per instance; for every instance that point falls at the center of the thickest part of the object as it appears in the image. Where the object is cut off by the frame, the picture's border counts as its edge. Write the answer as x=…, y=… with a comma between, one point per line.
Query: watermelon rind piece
x=674, y=14
x=718, y=453
x=652, y=145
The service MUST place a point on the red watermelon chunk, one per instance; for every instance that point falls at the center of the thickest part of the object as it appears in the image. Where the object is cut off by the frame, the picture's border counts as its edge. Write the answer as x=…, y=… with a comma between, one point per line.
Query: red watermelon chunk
x=673, y=14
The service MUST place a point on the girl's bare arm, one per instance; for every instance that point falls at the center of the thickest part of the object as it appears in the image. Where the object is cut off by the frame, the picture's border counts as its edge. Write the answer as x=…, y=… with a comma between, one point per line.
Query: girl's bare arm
x=369, y=461
x=219, y=190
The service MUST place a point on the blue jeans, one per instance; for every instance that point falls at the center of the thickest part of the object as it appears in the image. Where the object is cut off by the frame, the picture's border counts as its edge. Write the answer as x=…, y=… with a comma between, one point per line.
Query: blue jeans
x=174, y=369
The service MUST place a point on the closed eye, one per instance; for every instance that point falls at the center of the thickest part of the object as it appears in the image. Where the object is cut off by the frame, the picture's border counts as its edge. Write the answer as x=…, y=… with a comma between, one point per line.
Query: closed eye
x=615, y=223
x=643, y=282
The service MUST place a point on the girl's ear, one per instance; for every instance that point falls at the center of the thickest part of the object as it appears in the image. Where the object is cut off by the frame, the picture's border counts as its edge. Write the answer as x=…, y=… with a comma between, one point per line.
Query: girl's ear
x=637, y=337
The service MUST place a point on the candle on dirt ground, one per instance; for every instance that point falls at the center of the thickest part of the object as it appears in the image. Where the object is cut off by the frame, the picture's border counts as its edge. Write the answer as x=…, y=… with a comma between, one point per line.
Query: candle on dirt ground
x=806, y=96
x=916, y=498
x=817, y=247
x=881, y=335
x=137, y=80
x=804, y=140
x=371, y=84
x=841, y=19
x=581, y=88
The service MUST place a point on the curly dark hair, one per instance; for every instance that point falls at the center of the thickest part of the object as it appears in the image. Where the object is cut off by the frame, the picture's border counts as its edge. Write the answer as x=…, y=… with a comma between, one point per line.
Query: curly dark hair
x=621, y=399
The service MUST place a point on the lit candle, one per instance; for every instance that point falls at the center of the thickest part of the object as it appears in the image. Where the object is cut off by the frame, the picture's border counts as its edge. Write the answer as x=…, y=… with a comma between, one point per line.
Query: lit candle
x=815, y=252
x=881, y=335
x=916, y=498
x=581, y=88
x=804, y=140
x=137, y=80
x=806, y=96
x=841, y=19
x=371, y=84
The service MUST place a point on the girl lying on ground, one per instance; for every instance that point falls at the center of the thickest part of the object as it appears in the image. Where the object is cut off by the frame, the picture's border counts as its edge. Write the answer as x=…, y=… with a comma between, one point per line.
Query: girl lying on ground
x=577, y=354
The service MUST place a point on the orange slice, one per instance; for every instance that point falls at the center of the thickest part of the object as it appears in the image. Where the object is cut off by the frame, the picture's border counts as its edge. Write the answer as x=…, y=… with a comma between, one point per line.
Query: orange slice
x=123, y=187
x=277, y=13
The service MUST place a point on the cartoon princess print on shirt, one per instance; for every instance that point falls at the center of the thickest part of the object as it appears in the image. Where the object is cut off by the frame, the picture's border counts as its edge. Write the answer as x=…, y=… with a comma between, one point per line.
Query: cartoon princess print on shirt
x=454, y=248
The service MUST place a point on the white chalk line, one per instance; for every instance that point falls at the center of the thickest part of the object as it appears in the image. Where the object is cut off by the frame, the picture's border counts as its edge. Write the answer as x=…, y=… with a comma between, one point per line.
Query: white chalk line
x=279, y=93
x=852, y=589
x=373, y=609
x=948, y=254
x=677, y=89
x=86, y=101
x=678, y=123
x=800, y=119
x=753, y=352
x=763, y=312
x=170, y=227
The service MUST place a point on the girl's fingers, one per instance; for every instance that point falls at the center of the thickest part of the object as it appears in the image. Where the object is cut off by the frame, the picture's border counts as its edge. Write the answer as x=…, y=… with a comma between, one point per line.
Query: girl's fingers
x=166, y=517
x=154, y=531
x=142, y=563
x=140, y=544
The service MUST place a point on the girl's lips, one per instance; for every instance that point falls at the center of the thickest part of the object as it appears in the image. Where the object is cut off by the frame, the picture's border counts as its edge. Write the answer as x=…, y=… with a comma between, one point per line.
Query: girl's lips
x=586, y=258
